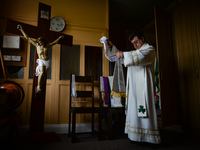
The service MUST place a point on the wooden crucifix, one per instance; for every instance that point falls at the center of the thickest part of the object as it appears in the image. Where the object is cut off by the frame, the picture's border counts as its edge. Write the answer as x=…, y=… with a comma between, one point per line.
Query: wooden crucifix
x=42, y=30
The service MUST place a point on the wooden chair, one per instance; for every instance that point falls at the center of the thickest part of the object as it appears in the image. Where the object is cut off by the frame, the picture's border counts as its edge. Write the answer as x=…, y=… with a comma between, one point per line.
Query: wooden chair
x=74, y=110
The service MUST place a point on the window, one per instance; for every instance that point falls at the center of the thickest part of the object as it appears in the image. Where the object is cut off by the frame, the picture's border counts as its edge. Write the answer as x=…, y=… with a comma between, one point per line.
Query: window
x=69, y=61
x=93, y=61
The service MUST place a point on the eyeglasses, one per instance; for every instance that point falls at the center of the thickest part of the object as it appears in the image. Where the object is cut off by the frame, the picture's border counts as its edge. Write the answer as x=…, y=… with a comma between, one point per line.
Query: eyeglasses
x=135, y=42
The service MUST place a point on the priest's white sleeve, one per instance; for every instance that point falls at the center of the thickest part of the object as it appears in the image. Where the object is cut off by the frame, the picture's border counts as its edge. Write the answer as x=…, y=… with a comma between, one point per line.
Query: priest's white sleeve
x=141, y=57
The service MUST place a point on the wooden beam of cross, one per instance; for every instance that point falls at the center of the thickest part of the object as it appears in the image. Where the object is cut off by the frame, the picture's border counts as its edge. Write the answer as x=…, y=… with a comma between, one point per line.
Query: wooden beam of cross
x=42, y=30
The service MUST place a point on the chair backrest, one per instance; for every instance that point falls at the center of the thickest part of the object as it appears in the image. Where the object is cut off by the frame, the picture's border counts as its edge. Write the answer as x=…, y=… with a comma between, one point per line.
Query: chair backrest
x=83, y=93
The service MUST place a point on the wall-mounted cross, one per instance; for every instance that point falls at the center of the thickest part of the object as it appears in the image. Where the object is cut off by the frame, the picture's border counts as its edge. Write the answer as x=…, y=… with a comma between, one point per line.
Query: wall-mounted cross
x=42, y=30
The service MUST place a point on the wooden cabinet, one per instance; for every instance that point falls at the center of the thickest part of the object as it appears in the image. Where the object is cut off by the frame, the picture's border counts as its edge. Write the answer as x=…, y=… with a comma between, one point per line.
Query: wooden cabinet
x=186, y=36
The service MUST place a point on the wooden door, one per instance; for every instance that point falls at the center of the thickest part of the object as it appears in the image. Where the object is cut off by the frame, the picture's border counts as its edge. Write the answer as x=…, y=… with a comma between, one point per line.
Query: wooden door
x=166, y=68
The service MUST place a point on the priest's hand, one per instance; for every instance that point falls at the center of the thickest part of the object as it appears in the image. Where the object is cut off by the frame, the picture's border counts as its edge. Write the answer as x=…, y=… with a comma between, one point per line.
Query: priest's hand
x=110, y=44
x=119, y=54
x=61, y=37
x=19, y=27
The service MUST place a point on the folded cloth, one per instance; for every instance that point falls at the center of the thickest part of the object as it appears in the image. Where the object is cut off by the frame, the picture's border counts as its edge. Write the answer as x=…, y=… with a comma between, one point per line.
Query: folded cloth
x=118, y=88
x=40, y=64
x=101, y=84
x=115, y=101
x=106, y=97
x=73, y=94
x=106, y=89
x=112, y=58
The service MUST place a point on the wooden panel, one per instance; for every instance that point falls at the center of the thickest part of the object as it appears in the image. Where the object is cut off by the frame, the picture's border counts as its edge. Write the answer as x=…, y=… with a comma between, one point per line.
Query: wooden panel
x=197, y=23
x=25, y=108
x=188, y=62
x=51, y=106
x=166, y=68
x=63, y=104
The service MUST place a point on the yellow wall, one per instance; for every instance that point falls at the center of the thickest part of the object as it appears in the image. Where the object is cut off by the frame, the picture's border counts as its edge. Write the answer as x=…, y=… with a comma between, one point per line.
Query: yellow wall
x=86, y=21
x=87, y=15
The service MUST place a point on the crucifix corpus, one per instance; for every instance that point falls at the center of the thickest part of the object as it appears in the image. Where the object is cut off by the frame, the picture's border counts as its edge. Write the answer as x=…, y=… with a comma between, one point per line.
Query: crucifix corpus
x=39, y=83
x=43, y=60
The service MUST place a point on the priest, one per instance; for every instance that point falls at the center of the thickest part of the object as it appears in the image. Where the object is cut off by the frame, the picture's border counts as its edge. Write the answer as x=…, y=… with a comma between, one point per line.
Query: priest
x=141, y=119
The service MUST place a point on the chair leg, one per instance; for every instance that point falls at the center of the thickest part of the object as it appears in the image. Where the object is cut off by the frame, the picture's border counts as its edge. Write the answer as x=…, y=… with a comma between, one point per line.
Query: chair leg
x=69, y=126
x=73, y=127
x=92, y=123
x=109, y=124
x=100, y=126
